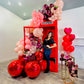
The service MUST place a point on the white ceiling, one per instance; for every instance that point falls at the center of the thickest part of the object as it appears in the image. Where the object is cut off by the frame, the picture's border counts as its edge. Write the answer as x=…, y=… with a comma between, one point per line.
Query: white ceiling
x=27, y=6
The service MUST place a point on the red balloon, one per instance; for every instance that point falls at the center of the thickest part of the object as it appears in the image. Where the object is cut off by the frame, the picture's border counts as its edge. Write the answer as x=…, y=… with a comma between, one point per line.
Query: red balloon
x=15, y=68
x=66, y=38
x=72, y=37
x=39, y=55
x=32, y=69
x=43, y=64
x=52, y=66
x=71, y=48
x=67, y=30
x=65, y=44
x=66, y=48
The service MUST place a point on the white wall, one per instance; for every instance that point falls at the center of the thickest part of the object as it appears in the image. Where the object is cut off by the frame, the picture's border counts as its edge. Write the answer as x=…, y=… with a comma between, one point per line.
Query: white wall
x=74, y=18
x=10, y=32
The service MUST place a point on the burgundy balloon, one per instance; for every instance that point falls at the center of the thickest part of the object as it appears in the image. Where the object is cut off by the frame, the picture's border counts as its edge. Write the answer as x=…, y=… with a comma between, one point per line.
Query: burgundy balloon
x=15, y=68
x=32, y=69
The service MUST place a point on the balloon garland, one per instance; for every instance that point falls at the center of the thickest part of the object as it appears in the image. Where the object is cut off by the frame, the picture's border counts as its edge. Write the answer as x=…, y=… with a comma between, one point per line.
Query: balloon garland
x=30, y=59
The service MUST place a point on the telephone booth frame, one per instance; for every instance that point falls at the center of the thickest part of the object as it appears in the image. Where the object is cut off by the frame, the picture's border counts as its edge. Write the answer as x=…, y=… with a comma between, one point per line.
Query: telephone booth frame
x=49, y=26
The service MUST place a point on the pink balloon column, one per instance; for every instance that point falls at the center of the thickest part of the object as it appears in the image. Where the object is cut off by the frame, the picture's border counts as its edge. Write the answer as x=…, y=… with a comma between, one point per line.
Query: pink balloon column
x=37, y=19
x=57, y=12
x=67, y=40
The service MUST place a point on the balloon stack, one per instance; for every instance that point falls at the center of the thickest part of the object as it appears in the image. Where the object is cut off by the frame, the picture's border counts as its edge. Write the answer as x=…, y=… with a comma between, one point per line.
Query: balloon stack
x=30, y=60
x=67, y=40
x=32, y=67
x=53, y=11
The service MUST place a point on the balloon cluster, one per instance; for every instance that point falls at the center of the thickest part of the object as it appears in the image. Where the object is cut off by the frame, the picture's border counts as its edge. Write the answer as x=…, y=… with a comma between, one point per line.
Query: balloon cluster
x=47, y=11
x=67, y=40
x=32, y=42
x=72, y=67
x=37, y=19
x=30, y=60
x=53, y=11
x=32, y=68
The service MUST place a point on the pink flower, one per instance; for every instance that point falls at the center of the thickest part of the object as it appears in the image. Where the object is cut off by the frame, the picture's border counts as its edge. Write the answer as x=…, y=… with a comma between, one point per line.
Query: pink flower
x=73, y=68
x=66, y=57
x=69, y=61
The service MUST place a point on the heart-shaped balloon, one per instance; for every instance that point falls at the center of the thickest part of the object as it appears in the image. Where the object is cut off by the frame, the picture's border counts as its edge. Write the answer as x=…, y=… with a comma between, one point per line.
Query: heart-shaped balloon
x=67, y=30
x=72, y=37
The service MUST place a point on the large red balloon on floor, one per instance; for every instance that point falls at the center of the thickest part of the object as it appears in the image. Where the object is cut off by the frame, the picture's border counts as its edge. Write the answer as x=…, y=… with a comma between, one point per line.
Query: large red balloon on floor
x=43, y=65
x=32, y=69
x=39, y=55
x=15, y=68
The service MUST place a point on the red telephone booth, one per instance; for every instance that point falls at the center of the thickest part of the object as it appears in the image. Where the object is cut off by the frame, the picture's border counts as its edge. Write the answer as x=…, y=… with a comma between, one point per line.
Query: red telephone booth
x=50, y=26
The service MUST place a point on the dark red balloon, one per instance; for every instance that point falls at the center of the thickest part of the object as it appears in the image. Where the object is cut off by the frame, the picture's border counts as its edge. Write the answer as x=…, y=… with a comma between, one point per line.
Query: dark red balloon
x=72, y=37
x=39, y=55
x=43, y=64
x=32, y=69
x=66, y=38
x=71, y=48
x=15, y=68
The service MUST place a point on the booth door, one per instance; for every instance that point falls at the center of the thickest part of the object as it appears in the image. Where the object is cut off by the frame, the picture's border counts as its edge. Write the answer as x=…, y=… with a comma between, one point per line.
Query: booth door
x=53, y=50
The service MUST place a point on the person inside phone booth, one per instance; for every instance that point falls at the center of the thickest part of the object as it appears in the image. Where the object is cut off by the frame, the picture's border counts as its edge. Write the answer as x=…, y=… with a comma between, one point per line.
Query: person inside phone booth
x=47, y=49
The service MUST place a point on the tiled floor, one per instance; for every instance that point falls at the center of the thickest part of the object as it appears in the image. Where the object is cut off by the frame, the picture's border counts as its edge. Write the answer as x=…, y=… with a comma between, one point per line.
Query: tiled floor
x=43, y=78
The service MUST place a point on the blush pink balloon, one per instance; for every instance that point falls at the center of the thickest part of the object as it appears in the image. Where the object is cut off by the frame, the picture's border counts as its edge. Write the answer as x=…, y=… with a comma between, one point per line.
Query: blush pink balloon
x=21, y=47
x=18, y=43
x=37, y=19
x=16, y=49
x=37, y=32
x=21, y=40
x=27, y=41
x=27, y=46
x=20, y=53
x=22, y=43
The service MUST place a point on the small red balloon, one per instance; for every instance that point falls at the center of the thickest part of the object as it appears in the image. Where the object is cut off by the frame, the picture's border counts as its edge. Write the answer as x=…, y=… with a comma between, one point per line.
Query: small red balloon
x=43, y=64
x=66, y=48
x=32, y=69
x=72, y=37
x=15, y=68
x=66, y=38
x=39, y=55
x=71, y=48
x=66, y=44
